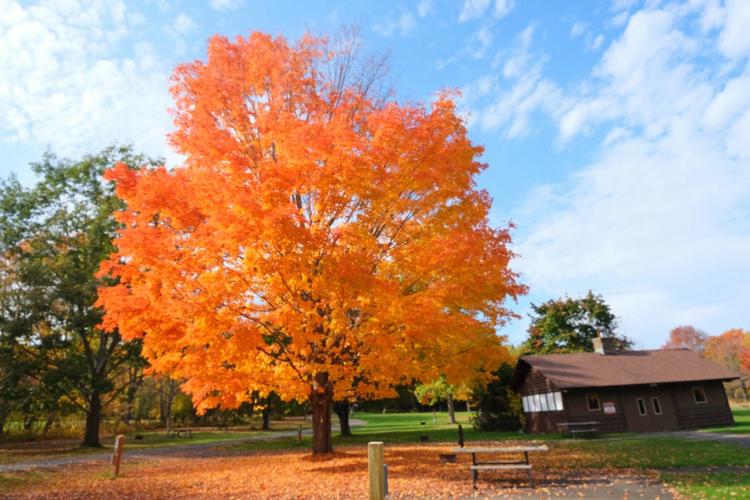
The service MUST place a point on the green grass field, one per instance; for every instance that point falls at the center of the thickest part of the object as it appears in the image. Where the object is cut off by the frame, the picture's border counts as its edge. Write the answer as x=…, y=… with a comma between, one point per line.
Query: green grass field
x=716, y=485
x=741, y=423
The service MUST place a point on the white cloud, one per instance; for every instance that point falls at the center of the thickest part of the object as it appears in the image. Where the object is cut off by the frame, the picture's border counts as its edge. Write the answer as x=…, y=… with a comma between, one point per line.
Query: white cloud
x=502, y=8
x=510, y=99
x=61, y=84
x=594, y=43
x=659, y=221
x=225, y=5
x=183, y=24
x=474, y=9
x=578, y=29
x=403, y=25
x=424, y=7
x=734, y=41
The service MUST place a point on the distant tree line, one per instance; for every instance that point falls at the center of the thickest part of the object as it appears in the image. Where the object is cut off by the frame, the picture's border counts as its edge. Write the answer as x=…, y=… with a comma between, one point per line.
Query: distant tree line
x=730, y=349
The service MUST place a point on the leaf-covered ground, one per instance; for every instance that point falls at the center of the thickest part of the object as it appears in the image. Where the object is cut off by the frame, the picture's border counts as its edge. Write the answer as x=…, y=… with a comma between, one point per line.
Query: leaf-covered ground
x=414, y=471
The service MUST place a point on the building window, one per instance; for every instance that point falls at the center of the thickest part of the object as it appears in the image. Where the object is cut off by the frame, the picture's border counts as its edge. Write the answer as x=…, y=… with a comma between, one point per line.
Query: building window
x=592, y=402
x=699, y=395
x=558, y=401
x=641, y=407
x=656, y=405
x=551, y=401
x=543, y=403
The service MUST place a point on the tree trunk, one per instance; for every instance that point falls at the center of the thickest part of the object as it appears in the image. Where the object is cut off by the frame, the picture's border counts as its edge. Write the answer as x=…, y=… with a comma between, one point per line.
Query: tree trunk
x=48, y=422
x=93, y=421
x=134, y=384
x=321, y=401
x=266, y=413
x=342, y=411
x=166, y=406
x=4, y=412
x=451, y=409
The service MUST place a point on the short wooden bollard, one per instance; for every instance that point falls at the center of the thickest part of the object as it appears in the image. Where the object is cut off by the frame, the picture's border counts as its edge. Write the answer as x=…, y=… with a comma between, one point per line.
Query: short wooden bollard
x=299, y=433
x=375, y=470
x=117, y=454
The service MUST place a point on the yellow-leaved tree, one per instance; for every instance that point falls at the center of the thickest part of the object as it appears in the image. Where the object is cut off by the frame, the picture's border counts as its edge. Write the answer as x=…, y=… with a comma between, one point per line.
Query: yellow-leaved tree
x=315, y=242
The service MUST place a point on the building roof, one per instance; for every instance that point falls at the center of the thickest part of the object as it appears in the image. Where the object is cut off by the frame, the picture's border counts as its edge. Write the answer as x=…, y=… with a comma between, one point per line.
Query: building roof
x=588, y=369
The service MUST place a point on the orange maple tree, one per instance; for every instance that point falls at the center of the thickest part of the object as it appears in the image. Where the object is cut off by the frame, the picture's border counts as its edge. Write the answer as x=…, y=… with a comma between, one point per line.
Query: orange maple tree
x=686, y=337
x=314, y=243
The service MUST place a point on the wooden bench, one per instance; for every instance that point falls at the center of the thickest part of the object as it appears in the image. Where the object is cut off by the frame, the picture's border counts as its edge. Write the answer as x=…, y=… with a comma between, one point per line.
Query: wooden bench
x=524, y=464
x=574, y=429
x=180, y=433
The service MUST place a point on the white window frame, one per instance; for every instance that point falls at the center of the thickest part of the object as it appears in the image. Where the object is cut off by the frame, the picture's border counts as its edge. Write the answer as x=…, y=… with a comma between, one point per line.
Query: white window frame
x=598, y=402
x=638, y=405
x=525, y=402
x=653, y=406
x=705, y=395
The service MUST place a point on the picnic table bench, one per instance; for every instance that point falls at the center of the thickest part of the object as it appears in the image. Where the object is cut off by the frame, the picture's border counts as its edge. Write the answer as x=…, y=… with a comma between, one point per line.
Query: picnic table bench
x=180, y=433
x=524, y=464
x=587, y=429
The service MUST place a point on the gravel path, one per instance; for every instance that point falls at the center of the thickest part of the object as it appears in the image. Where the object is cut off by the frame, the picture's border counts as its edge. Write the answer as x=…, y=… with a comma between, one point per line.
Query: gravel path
x=216, y=448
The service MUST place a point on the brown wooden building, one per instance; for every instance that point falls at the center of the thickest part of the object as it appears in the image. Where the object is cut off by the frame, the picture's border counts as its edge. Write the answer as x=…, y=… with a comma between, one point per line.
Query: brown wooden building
x=636, y=391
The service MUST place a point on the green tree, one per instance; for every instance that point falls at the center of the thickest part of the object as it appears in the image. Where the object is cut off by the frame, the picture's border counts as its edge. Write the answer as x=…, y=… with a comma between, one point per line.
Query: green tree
x=440, y=390
x=53, y=237
x=570, y=325
x=497, y=405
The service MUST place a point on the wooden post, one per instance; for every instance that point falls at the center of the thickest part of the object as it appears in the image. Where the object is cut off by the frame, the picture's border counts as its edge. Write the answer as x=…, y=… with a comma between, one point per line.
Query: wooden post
x=460, y=436
x=299, y=433
x=117, y=454
x=375, y=471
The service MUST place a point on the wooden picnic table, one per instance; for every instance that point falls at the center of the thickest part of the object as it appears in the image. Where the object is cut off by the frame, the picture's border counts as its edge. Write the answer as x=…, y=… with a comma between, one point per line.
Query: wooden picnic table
x=590, y=428
x=524, y=464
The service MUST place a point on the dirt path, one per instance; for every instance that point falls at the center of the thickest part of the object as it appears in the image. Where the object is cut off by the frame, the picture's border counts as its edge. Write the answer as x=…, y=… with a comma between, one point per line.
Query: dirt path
x=187, y=450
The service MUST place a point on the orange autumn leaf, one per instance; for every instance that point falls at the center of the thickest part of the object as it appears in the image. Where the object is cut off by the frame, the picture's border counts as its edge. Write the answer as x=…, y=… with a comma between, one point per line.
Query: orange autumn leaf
x=314, y=243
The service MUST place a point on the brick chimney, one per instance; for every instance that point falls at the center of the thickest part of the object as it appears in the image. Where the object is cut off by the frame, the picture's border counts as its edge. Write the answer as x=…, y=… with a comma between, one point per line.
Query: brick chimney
x=606, y=345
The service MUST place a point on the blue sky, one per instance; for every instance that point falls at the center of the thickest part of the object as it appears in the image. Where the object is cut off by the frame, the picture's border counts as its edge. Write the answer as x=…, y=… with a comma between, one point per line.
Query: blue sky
x=617, y=133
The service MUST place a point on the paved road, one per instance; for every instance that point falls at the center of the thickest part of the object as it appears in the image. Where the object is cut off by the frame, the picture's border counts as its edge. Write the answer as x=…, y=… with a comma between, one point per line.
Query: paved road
x=738, y=439
x=585, y=484
x=216, y=448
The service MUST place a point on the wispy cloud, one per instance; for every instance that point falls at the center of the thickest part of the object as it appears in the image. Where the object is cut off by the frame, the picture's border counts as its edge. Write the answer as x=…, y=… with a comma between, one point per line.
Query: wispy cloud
x=659, y=221
x=225, y=5
x=507, y=98
x=402, y=25
x=424, y=7
x=475, y=9
x=59, y=74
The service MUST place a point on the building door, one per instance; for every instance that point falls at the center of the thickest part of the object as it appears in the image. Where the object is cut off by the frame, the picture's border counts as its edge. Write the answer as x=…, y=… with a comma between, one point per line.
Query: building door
x=650, y=409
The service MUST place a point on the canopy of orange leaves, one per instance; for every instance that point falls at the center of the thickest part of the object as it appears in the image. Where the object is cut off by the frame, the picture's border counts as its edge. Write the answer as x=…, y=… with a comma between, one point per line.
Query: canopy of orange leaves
x=313, y=240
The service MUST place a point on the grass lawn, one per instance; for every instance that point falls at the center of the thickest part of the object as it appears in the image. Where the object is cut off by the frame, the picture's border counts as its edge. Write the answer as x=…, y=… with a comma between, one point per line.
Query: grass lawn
x=741, y=423
x=718, y=485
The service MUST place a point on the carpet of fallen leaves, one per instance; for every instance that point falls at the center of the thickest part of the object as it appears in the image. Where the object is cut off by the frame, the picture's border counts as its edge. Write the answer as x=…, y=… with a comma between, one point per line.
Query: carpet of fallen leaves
x=415, y=471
